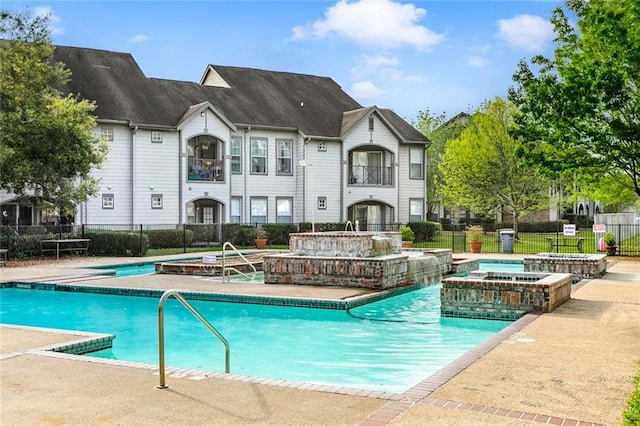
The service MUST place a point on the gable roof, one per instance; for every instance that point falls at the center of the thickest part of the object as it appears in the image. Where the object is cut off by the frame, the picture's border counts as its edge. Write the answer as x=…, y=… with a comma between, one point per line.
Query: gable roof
x=397, y=126
x=243, y=96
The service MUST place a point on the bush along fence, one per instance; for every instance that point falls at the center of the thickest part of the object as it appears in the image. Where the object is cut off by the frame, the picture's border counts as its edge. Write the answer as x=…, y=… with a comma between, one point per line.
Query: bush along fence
x=137, y=240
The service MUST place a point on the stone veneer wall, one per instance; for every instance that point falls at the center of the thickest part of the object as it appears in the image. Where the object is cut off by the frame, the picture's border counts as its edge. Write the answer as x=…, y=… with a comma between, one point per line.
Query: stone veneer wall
x=464, y=266
x=351, y=244
x=581, y=266
x=381, y=272
x=506, y=296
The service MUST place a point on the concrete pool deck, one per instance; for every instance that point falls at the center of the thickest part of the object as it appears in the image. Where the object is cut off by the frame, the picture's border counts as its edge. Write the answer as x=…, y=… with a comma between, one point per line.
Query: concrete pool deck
x=572, y=366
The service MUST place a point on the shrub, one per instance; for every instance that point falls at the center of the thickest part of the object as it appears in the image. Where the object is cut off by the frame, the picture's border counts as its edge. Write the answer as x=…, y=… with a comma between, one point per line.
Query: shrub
x=610, y=239
x=203, y=233
x=23, y=246
x=170, y=238
x=474, y=232
x=113, y=243
x=278, y=233
x=425, y=231
x=238, y=235
x=407, y=233
x=631, y=416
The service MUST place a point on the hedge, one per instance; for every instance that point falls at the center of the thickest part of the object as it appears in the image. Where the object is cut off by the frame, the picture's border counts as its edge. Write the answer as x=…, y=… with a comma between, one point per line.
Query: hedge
x=170, y=238
x=112, y=243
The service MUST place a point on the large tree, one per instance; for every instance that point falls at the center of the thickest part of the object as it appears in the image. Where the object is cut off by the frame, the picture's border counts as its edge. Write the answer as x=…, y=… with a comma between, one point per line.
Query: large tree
x=579, y=112
x=47, y=143
x=439, y=130
x=481, y=170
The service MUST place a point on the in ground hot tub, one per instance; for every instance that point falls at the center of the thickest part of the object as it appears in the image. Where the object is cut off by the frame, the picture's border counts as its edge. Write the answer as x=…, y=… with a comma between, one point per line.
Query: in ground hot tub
x=503, y=295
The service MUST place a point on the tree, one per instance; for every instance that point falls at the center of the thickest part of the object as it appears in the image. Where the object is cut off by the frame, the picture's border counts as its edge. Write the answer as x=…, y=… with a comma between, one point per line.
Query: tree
x=439, y=130
x=47, y=144
x=480, y=169
x=580, y=111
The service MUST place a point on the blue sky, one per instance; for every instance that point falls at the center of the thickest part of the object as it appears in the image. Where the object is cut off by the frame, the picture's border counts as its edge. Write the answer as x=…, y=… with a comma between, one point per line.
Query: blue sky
x=446, y=56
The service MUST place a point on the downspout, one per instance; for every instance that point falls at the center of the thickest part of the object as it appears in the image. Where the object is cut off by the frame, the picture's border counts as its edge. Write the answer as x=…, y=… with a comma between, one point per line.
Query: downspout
x=227, y=172
x=246, y=154
x=133, y=175
x=397, y=183
x=342, y=181
x=180, y=181
x=305, y=141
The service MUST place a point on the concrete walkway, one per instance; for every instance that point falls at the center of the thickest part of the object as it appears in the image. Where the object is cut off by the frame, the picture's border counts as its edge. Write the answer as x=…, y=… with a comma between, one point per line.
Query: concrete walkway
x=570, y=366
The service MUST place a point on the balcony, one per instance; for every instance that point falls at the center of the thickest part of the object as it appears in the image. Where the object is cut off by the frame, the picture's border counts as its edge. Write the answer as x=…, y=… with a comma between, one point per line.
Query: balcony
x=371, y=176
x=204, y=170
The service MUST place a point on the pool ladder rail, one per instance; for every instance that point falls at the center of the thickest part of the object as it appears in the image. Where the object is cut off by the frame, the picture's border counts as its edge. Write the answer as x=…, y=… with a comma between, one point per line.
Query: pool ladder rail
x=166, y=295
x=226, y=270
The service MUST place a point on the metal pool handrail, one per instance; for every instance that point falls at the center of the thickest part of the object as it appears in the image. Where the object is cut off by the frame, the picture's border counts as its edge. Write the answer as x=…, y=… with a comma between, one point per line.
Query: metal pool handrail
x=195, y=313
x=224, y=256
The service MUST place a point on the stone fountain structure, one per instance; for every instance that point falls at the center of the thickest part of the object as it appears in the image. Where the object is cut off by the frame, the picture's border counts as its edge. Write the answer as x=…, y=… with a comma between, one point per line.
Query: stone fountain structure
x=350, y=259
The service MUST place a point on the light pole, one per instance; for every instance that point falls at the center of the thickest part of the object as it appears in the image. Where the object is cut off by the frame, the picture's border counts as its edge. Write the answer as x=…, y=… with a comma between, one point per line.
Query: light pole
x=304, y=164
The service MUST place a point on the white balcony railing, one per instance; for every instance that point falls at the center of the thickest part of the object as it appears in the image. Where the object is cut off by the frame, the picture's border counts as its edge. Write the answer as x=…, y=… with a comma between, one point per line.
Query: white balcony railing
x=206, y=170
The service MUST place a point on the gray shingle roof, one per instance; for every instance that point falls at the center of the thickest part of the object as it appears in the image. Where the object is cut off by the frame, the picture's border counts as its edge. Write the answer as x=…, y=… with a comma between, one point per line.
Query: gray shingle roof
x=255, y=97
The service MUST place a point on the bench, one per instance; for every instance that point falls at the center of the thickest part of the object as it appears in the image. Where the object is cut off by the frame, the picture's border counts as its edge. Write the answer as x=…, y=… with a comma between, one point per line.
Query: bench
x=565, y=242
x=70, y=245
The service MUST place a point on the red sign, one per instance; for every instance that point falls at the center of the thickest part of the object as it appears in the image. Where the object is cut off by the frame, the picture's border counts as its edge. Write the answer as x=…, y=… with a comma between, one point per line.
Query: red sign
x=599, y=228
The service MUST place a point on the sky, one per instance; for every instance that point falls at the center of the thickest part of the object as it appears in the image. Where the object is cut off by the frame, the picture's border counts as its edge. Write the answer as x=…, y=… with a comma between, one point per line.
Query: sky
x=444, y=57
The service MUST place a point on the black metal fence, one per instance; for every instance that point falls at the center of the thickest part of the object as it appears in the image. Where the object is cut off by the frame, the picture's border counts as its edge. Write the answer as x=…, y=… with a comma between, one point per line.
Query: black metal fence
x=529, y=240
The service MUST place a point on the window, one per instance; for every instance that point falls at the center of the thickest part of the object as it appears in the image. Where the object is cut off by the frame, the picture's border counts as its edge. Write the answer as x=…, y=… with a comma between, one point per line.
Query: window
x=258, y=210
x=415, y=209
x=107, y=133
x=322, y=203
x=156, y=201
x=371, y=123
x=322, y=146
x=107, y=201
x=236, y=155
x=207, y=214
x=259, y=156
x=236, y=209
x=284, y=154
x=416, y=162
x=156, y=136
x=284, y=207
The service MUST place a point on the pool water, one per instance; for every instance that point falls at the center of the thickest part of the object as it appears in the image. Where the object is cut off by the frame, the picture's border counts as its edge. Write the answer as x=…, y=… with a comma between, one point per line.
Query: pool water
x=390, y=345
x=515, y=266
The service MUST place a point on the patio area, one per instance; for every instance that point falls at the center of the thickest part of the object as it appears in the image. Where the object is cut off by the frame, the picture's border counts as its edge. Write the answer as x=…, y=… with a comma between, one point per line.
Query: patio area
x=572, y=366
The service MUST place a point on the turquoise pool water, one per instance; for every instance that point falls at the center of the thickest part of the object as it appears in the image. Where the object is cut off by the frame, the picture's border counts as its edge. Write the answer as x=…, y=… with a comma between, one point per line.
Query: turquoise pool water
x=389, y=345
x=501, y=266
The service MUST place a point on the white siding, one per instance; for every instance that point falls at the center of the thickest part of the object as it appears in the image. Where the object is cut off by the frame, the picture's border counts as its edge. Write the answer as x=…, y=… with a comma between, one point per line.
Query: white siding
x=270, y=185
x=193, y=190
x=384, y=139
x=409, y=188
x=323, y=179
x=156, y=172
x=115, y=178
x=137, y=168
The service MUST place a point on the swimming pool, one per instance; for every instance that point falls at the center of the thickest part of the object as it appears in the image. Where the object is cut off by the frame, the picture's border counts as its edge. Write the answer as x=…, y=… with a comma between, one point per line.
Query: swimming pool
x=389, y=345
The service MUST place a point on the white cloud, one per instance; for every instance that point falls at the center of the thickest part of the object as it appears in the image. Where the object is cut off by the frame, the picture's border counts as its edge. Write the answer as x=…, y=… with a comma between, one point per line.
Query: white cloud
x=138, y=38
x=373, y=23
x=53, y=19
x=371, y=65
x=476, y=61
x=525, y=31
x=381, y=67
x=364, y=90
